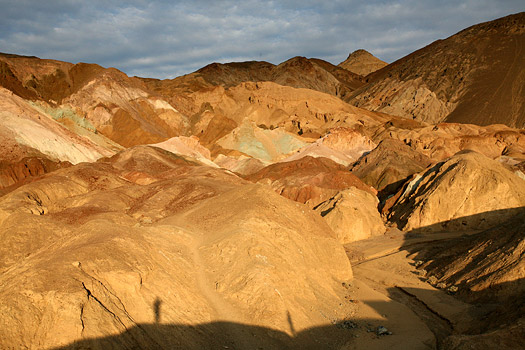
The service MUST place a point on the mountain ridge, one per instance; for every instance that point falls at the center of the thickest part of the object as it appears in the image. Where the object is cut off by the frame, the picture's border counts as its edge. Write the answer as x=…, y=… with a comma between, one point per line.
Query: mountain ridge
x=447, y=79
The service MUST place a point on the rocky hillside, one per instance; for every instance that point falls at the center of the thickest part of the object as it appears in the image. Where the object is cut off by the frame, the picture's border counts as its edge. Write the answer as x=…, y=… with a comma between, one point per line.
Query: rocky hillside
x=475, y=76
x=146, y=236
x=298, y=72
x=485, y=268
x=249, y=205
x=447, y=196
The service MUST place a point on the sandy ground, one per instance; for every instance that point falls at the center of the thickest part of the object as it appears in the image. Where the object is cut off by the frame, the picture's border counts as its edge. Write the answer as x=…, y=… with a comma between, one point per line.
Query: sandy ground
x=391, y=292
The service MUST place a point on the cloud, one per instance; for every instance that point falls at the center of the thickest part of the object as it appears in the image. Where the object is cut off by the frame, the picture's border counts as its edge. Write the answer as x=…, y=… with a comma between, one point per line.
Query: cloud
x=168, y=38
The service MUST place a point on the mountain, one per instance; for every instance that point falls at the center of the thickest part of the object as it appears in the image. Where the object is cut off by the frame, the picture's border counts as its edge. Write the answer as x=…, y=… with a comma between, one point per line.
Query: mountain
x=475, y=76
x=298, y=72
x=248, y=205
x=362, y=62
x=104, y=100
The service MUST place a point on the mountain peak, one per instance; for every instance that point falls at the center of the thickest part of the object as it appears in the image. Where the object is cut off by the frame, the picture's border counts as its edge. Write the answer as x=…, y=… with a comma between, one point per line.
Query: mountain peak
x=362, y=62
x=359, y=52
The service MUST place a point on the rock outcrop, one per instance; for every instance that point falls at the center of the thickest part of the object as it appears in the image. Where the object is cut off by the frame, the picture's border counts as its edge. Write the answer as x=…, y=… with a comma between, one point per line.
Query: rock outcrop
x=467, y=191
x=352, y=214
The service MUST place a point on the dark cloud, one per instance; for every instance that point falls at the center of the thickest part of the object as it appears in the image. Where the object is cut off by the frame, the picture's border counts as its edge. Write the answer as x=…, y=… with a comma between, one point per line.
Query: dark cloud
x=166, y=38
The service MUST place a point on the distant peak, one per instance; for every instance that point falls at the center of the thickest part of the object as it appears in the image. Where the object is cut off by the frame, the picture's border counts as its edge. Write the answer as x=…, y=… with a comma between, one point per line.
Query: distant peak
x=362, y=62
x=360, y=52
x=297, y=58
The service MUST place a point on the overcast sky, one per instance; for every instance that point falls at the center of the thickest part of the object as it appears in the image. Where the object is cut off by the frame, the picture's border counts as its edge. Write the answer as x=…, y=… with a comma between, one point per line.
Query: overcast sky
x=164, y=39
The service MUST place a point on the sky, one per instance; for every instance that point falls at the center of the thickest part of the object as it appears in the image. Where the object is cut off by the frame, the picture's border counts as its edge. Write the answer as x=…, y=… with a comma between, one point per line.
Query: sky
x=165, y=39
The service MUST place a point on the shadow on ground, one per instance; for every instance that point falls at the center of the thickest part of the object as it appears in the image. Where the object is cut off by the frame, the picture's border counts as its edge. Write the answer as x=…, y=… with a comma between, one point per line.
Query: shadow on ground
x=353, y=333
x=227, y=335
x=484, y=266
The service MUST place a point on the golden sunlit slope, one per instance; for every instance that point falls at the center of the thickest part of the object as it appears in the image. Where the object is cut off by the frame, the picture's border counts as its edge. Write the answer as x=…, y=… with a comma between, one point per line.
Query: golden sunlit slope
x=112, y=103
x=88, y=252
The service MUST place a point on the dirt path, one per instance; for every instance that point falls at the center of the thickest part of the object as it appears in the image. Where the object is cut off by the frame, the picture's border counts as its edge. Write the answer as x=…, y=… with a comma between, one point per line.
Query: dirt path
x=382, y=267
x=224, y=311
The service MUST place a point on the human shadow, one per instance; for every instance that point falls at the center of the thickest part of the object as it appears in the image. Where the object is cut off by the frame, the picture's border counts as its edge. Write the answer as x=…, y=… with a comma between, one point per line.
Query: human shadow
x=156, y=309
x=490, y=311
x=359, y=333
x=229, y=335
x=216, y=335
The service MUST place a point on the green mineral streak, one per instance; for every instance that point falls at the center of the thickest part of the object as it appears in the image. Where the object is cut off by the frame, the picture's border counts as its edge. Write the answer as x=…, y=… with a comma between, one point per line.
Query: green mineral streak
x=285, y=143
x=248, y=143
x=66, y=113
x=282, y=142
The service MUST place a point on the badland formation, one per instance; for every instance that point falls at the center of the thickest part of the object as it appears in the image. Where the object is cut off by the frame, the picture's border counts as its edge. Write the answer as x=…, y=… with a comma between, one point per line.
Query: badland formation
x=258, y=206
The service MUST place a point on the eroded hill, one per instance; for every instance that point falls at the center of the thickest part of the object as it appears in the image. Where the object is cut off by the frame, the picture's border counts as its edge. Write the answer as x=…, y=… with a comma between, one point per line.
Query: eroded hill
x=475, y=76
x=247, y=205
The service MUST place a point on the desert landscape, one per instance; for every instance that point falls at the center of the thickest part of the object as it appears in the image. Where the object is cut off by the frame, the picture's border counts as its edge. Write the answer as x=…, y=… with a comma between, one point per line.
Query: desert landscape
x=251, y=205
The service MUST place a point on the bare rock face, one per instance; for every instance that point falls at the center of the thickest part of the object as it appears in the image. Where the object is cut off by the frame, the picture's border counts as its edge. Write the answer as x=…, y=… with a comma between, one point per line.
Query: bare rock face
x=352, y=214
x=342, y=145
x=362, y=62
x=448, y=79
x=485, y=268
x=467, y=191
x=26, y=131
x=147, y=249
x=390, y=163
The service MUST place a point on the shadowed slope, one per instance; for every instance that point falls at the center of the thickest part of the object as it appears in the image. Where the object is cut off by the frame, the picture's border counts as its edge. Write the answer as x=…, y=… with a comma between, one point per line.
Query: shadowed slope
x=476, y=76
